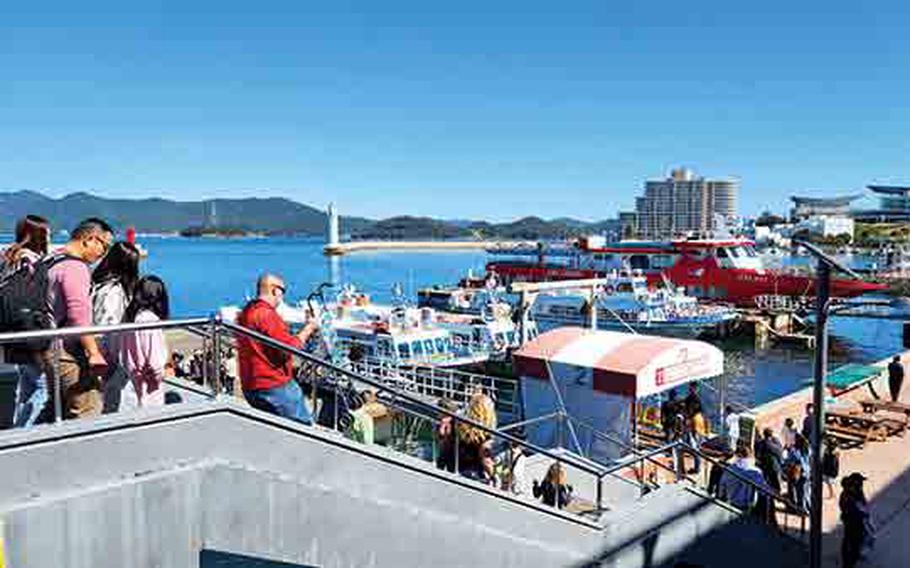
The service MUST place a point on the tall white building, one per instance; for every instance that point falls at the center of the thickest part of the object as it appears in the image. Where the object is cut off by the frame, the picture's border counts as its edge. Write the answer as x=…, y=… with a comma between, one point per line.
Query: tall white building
x=684, y=204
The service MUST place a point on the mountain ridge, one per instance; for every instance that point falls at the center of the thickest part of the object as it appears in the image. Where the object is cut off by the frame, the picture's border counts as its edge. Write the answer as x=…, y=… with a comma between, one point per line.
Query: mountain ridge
x=270, y=215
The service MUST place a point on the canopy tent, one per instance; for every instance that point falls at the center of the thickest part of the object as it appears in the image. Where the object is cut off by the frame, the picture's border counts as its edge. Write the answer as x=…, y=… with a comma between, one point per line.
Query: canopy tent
x=600, y=374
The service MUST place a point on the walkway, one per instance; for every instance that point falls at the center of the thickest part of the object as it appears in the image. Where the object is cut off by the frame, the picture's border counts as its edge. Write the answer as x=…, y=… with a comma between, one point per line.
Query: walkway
x=886, y=464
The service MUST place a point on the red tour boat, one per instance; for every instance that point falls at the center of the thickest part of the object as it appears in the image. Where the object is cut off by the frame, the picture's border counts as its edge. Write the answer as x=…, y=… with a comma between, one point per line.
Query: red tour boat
x=727, y=269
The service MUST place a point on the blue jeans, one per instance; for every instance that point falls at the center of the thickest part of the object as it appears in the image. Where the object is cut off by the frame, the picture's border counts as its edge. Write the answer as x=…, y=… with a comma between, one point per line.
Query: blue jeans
x=285, y=400
x=31, y=395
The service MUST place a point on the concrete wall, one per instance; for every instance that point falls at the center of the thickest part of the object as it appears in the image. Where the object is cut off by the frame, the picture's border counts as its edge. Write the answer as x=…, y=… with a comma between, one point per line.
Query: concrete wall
x=156, y=487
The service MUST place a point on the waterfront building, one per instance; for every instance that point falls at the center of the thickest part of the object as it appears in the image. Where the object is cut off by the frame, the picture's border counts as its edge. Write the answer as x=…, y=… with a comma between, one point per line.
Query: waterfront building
x=894, y=205
x=684, y=204
x=806, y=207
x=827, y=226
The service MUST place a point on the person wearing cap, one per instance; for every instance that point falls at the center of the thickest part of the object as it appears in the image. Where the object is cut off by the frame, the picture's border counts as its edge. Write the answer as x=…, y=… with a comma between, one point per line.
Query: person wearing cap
x=854, y=513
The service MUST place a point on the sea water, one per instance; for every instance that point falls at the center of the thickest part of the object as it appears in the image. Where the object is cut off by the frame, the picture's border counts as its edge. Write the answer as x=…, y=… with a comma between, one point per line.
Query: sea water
x=205, y=273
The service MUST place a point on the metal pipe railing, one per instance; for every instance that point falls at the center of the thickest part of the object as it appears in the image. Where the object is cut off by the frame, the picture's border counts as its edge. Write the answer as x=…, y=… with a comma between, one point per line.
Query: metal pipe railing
x=63, y=332
x=213, y=327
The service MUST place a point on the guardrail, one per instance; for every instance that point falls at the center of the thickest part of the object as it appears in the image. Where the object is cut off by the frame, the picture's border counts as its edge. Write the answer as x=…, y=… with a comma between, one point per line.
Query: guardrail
x=214, y=331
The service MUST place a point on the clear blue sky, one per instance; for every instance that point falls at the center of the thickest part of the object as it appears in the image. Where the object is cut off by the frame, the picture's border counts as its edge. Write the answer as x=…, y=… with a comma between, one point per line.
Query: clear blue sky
x=452, y=109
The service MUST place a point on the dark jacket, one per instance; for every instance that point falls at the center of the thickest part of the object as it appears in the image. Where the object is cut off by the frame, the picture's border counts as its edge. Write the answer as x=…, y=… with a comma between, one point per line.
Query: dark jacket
x=547, y=492
x=770, y=457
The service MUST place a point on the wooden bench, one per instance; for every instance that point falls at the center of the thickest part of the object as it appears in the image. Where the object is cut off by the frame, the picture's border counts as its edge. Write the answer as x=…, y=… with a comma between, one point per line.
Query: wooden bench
x=873, y=405
x=844, y=439
x=866, y=434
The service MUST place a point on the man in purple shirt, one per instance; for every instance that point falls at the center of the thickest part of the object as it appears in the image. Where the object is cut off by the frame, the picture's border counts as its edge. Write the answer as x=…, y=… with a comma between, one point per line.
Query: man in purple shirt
x=77, y=362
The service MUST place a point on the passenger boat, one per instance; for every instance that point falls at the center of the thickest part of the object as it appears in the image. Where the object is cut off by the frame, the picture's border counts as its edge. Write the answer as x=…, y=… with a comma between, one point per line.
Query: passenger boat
x=399, y=334
x=727, y=269
x=627, y=303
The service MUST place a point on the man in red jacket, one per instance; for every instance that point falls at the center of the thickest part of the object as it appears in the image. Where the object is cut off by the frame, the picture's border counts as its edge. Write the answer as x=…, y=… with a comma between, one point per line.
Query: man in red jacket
x=266, y=373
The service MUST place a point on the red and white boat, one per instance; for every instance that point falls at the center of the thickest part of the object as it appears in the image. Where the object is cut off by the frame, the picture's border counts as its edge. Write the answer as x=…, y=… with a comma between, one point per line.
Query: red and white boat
x=726, y=269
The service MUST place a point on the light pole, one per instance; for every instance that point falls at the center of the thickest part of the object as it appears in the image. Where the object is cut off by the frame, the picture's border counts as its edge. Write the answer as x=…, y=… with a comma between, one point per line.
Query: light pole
x=822, y=308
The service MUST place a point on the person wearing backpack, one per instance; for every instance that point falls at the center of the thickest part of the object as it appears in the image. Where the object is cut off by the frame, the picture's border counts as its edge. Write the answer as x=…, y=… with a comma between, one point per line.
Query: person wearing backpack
x=113, y=281
x=19, y=261
x=76, y=364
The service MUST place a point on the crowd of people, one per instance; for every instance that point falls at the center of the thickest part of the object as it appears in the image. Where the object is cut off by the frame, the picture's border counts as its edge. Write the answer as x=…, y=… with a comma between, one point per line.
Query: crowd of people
x=90, y=280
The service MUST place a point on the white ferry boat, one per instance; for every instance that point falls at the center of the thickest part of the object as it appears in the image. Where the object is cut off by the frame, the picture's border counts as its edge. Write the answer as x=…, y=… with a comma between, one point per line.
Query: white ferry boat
x=626, y=302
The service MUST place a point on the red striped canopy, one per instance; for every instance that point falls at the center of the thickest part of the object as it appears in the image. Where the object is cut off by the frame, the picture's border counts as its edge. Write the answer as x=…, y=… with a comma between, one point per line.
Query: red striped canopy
x=617, y=363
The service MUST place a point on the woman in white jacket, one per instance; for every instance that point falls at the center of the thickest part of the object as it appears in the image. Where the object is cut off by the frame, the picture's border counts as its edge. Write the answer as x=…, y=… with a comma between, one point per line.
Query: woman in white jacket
x=113, y=281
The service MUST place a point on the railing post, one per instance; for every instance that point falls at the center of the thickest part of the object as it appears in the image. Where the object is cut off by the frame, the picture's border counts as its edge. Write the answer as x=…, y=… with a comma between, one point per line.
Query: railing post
x=455, y=433
x=335, y=407
x=58, y=389
x=600, y=496
x=217, y=385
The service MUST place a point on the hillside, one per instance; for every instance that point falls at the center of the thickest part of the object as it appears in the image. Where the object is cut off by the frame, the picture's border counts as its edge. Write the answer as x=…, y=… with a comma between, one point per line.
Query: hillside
x=270, y=215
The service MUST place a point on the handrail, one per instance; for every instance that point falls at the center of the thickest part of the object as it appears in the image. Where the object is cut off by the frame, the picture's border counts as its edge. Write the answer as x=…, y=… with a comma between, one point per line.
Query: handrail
x=767, y=490
x=405, y=396
x=216, y=327
x=58, y=333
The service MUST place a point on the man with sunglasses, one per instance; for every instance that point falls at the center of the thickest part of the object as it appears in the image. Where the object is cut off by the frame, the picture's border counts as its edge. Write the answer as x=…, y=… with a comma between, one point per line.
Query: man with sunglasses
x=77, y=363
x=267, y=373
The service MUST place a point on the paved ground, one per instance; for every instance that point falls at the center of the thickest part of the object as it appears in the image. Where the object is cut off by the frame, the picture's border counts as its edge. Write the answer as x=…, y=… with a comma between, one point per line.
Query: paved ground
x=886, y=464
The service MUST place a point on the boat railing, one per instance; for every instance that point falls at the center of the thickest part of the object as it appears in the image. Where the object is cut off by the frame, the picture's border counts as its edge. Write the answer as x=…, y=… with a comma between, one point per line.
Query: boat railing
x=443, y=383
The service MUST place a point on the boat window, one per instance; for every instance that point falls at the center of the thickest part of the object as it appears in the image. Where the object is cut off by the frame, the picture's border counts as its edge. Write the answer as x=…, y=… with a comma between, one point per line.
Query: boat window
x=639, y=262
x=428, y=346
x=418, y=349
x=511, y=336
x=440, y=345
x=624, y=287
x=721, y=253
x=384, y=348
x=404, y=350
x=661, y=261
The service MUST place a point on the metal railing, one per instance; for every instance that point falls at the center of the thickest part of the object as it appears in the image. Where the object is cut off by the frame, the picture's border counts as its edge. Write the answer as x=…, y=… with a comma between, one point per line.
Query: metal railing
x=214, y=332
x=442, y=383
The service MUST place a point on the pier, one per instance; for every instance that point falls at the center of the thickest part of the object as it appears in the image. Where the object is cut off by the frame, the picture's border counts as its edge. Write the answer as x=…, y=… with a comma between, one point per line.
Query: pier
x=885, y=464
x=339, y=249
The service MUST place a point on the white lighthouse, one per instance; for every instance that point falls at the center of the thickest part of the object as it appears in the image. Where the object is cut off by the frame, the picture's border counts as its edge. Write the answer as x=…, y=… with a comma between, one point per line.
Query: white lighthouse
x=332, y=237
x=332, y=216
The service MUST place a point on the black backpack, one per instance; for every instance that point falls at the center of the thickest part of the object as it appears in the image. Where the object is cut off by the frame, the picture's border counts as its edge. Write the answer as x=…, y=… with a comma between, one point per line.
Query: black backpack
x=23, y=302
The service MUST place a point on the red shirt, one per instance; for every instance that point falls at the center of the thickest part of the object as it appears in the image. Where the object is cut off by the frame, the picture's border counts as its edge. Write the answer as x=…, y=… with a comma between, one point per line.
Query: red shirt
x=261, y=366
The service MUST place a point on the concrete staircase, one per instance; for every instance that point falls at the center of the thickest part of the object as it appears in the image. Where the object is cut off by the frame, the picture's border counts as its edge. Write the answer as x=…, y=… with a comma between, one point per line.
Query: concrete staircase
x=190, y=485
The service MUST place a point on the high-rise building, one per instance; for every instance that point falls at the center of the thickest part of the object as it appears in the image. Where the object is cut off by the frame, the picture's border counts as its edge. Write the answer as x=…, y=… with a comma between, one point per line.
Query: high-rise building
x=684, y=204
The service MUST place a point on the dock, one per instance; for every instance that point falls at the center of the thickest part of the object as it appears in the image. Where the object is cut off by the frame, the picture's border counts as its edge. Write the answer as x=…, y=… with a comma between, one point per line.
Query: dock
x=339, y=249
x=886, y=464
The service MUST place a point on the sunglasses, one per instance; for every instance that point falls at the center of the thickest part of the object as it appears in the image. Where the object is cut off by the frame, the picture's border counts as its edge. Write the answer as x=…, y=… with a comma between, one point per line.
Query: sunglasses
x=279, y=287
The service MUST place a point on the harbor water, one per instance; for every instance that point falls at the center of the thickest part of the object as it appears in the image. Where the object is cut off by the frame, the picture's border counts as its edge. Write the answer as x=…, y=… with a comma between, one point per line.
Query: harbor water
x=203, y=274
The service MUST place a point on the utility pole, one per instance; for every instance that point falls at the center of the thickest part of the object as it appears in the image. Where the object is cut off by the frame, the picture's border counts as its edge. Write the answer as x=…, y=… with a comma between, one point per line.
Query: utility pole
x=822, y=309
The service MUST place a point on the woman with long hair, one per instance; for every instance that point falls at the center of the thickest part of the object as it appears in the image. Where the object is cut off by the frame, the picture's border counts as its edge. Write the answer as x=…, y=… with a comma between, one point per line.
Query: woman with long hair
x=144, y=353
x=554, y=490
x=113, y=281
x=32, y=243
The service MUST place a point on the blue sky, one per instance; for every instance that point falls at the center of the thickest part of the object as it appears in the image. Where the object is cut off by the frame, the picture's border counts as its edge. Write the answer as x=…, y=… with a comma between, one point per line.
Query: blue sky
x=467, y=109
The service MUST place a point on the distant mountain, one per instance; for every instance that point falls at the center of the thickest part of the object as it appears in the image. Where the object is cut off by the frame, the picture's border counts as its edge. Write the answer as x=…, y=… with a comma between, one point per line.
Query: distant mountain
x=272, y=215
x=405, y=227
